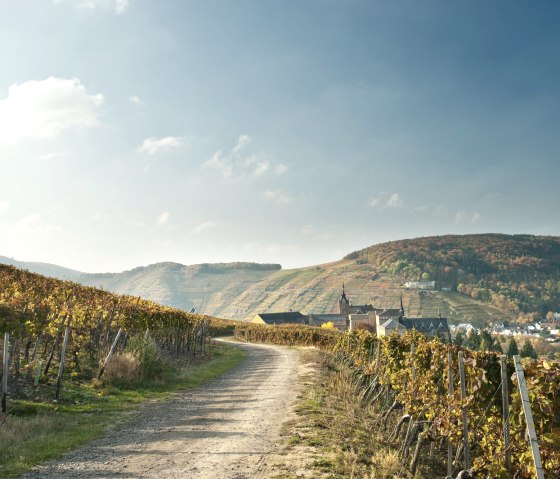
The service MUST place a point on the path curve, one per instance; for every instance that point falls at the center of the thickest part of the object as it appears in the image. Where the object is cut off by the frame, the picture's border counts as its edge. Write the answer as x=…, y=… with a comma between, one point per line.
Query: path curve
x=228, y=428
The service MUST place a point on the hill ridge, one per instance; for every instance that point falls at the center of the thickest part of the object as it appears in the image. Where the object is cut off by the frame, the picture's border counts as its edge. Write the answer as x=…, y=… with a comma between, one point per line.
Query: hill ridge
x=488, y=277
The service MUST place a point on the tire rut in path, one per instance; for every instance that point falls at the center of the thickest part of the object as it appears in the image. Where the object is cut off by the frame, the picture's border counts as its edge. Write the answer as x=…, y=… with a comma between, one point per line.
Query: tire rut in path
x=228, y=428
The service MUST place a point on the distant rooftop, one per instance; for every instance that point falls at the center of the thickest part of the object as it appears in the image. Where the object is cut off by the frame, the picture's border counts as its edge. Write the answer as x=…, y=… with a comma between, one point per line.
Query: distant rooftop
x=427, y=325
x=289, y=317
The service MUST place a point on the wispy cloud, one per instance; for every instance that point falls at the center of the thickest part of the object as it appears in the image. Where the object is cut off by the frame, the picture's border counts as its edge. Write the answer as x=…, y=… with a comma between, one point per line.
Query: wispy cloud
x=395, y=201
x=278, y=196
x=203, y=226
x=463, y=216
x=163, y=218
x=151, y=146
x=117, y=6
x=235, y=163
x=121, y=6
x=41, y=109
x=242, y=142
x=136, y=100
x=385, y=200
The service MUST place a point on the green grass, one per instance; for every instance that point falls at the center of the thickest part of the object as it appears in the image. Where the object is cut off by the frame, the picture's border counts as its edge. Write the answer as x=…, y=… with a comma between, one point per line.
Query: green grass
x=37, y=431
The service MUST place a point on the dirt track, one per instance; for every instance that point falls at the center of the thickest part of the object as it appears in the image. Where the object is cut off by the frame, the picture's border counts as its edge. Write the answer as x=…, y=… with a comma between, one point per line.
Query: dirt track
x=229, y=428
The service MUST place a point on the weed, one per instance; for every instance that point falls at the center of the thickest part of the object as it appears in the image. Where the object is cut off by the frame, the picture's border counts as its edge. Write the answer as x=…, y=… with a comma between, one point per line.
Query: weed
x=295, y=439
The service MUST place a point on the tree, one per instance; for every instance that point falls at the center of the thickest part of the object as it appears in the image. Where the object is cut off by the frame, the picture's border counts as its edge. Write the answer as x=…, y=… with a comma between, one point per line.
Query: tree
x=513, y=349
x=488, y=343
x=426, y=277
x=486, y=340
x=550, y=315
x=528, y=351
x=497, y=347
x=473, y=340
x=459, y=338
x=327, y=325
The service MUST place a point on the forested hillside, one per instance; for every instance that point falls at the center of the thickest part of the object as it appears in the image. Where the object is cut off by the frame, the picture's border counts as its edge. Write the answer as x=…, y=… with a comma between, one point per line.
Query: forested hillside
x=519, y=273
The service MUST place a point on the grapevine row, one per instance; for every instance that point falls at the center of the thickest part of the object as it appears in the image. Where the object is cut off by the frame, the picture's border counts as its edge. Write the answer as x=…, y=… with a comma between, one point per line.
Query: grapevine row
x=411, y=374
x=36, y=311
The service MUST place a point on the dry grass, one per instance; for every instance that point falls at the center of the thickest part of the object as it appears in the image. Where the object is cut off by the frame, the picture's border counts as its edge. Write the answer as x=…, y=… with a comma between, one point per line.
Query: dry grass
x=344, y=435
x=385, y=464
x=122, y=368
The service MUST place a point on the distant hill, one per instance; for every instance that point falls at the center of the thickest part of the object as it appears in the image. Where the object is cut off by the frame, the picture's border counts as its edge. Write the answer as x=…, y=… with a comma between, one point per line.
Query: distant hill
x=489, y=278
x=45, y=269
x=184, y=286
x=518, y=273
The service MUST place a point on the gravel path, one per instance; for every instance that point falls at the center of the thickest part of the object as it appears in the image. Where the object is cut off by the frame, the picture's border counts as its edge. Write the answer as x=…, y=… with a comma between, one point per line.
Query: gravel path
x=228, y=428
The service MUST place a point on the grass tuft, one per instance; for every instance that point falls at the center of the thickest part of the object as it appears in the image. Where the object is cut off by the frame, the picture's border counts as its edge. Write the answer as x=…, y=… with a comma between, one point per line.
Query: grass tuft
x=386, y=464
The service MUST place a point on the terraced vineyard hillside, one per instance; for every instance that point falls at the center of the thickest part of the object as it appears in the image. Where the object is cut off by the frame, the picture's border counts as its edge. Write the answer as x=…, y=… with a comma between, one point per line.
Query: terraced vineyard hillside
x=208, y=288
x=498, y=276
x=239, y=291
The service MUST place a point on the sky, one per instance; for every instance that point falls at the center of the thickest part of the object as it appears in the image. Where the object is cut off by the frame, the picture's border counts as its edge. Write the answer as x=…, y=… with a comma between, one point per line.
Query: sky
x=292, y=132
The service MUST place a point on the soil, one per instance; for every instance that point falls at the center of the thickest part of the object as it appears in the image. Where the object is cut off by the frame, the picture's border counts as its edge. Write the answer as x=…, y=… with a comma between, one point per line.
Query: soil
x=229, y=428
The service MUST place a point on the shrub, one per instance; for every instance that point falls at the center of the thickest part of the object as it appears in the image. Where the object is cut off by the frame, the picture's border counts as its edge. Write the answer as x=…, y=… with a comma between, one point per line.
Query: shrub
x=123, y=368
x=146, y=352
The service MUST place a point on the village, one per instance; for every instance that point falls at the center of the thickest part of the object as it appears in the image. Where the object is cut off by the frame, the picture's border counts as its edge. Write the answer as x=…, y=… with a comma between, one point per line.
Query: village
x=351, y=317
x=539, y=337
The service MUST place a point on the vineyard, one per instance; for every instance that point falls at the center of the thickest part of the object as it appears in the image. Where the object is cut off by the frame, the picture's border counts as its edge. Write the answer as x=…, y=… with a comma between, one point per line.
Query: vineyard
x=463, y=407
x=57, y=330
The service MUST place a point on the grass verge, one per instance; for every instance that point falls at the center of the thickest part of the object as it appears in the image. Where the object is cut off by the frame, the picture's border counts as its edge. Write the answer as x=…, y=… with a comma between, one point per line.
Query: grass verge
x=38, y=431
x=341, y=436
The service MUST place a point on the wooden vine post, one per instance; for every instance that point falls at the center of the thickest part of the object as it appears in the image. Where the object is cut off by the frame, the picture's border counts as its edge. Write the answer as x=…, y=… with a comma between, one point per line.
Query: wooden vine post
x=505, y=411
x=37, y=374
x=466, y=450
x=450, y=390
x=61, y=367
x=5, y=370
x=412, y=368
x=377, y=357
x=528, y=417
x=113, y=346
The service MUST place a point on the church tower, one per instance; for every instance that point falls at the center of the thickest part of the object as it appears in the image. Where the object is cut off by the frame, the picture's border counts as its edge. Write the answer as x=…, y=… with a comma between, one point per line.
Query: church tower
x=344, y=304
x=401, y=313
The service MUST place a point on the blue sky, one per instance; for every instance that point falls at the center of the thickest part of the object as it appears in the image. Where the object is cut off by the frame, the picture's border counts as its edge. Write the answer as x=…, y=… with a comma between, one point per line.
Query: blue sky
x=136, y=131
